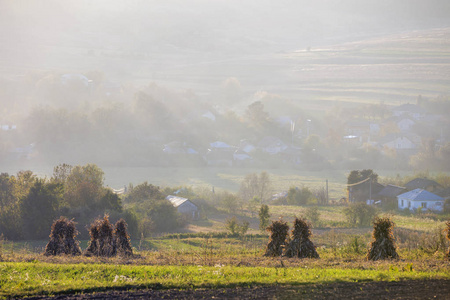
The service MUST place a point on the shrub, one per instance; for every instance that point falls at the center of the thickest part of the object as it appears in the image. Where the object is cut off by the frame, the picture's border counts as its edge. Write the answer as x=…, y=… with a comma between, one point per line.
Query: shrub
x=360, y=214
x=313, y=215
x=234, y=227
x=264, y=217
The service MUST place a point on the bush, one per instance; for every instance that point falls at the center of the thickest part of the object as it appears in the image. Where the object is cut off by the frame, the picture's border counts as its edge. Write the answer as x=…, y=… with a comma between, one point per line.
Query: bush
x=264, y=217
x=360, y=214
x=298, y=196
x=313, y=215
x=233, y=226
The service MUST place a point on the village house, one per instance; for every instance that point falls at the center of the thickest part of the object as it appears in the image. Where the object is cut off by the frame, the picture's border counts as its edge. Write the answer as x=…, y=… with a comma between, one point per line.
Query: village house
x=420, y=199
x=408, y=109
x=272, y=145
x=184, y=206
x=388, y=195
x=423, y=183
x=399, y=142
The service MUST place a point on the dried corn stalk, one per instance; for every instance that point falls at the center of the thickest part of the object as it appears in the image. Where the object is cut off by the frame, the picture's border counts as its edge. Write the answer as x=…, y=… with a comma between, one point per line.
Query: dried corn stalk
x=62, y=238
x=300, y=245
x=383, y=246
x=278, y=233
x=122, y=239
x=447, y=255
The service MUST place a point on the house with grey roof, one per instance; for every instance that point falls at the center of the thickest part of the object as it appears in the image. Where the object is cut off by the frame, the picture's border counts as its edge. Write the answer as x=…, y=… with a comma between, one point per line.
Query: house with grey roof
x=408, y=109
x=184, y=206
x=388, y=195
x=420, y=198
x=423, y=183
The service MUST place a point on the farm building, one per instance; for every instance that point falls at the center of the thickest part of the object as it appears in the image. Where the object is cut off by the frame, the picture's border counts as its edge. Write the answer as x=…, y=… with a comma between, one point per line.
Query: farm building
x=420, y=198
x=423, y=183
x=184, y=206
x=388, y=195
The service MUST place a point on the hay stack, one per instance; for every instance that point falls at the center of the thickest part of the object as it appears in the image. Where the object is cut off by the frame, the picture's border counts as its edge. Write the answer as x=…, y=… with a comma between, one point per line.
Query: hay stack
x=383, y=246
x=122, y=239
x=300, y=245
x=102, y=242
x=279, y=231
x=62, y=238
x=447, y=255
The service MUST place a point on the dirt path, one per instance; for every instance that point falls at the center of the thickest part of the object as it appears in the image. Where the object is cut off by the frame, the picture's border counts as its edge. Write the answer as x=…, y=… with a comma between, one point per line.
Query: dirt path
x=426, y=289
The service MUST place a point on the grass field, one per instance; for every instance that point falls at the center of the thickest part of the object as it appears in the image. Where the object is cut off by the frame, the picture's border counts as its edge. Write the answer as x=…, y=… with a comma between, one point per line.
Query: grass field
x=35, y=278
x=216, y=259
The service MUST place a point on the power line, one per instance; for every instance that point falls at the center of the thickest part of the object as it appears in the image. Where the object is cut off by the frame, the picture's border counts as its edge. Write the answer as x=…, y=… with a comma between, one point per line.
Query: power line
x=353, y=184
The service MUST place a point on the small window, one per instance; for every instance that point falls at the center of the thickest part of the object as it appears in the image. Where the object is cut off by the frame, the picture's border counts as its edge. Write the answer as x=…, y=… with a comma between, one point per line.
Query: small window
x=409, y=204
x=402, y=203
x=424, y=205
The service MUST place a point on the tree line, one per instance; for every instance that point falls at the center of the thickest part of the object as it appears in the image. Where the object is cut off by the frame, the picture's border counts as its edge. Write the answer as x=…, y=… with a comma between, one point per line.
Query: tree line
x=29, y=204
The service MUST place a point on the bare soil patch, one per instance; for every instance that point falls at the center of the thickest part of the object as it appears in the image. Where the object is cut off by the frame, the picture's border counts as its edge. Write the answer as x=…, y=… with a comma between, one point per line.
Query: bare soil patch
x=408, y=289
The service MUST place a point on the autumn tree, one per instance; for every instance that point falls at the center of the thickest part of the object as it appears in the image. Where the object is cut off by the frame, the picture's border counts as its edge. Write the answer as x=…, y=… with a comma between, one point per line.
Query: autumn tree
x=255, y=185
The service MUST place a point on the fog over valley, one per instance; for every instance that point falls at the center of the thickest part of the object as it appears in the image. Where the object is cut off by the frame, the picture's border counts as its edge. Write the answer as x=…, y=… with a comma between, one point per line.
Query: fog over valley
x=174, y=91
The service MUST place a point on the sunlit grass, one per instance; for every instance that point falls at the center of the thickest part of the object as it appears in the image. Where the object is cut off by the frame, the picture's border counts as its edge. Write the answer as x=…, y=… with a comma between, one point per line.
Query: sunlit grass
x=35, y=278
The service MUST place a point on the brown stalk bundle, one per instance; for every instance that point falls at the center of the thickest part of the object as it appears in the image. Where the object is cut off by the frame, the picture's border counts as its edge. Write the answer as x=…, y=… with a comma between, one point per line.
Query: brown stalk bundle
x=102, y=242
x=122, y=239
x=300, y=245
x=62, y=238
x=279, y=231
x=447, y=255
x=383, y=245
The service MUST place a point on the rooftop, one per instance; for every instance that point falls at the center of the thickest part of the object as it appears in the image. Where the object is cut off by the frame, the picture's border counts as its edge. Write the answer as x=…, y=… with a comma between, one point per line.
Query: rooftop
x=420, y=195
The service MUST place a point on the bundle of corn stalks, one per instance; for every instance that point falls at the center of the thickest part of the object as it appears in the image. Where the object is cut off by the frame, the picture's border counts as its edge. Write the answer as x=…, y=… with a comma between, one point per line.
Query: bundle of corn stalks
x=122, y=239
x=447, y=255
x=62, y=238
x=279, y=231
x=102, y=242
x=383, y=246
x=300, y=245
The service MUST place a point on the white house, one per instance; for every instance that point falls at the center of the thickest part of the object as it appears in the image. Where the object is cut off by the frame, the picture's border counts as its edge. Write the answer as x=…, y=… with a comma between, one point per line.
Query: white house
x=398, y=142
x=420, y=198
x=184, y=206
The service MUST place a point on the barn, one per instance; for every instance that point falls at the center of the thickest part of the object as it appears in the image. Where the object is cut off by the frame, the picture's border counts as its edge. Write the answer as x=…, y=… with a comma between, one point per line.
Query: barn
x=184, y=206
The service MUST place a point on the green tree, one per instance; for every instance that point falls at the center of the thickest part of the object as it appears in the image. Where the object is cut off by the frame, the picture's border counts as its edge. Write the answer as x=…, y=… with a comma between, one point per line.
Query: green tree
x=298, y=196
x=144, y=192
x=360, y=214
x=84, y=186
x=61, y=172
x=39, y=208
x=256, y=114
x=264, y=217
x=230, y=202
